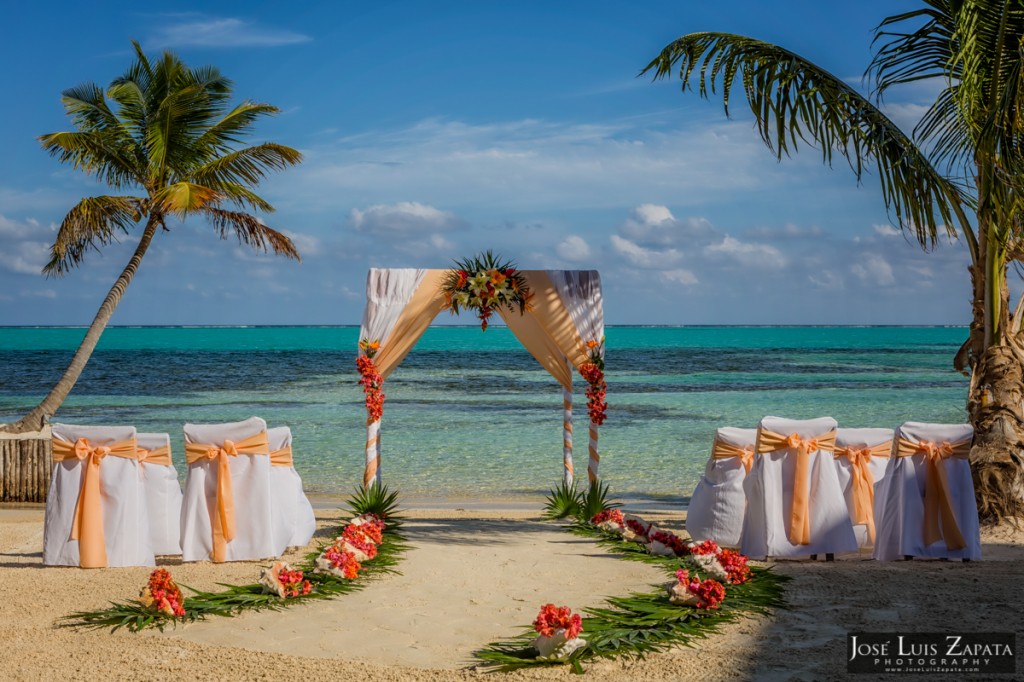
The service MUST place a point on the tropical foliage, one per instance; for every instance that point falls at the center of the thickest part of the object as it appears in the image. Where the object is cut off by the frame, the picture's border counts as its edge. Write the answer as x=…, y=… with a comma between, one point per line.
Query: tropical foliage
x=138, y=615
x=958, y=174
x=642, y=622
x=170, y=134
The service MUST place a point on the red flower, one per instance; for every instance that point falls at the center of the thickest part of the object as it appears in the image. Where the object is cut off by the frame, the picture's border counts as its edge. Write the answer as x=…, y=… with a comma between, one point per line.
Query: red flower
x=596, y=391
x=354, y=536
x=636, y=527
x=372, y=383
x=613, y=515
x=552, y=618
x=735, y=564
x=710, y=593
x=706, y=547
x=670, y=540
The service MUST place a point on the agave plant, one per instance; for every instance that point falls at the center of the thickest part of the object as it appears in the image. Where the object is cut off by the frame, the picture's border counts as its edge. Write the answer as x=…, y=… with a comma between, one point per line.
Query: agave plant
x=594, y=501
x=562, y=502
x=377, y=499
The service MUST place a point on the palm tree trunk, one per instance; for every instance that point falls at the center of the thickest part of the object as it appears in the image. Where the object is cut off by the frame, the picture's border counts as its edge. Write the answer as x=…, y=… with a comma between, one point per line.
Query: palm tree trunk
x=41, y=413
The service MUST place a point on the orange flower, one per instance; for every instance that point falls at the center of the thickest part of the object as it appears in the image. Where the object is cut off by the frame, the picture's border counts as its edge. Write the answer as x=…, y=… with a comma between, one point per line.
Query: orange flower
x=497, y=277
x=591, y=344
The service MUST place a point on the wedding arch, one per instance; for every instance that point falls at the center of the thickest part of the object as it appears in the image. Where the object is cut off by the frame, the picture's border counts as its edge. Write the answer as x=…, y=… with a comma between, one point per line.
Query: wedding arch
x=560, y=321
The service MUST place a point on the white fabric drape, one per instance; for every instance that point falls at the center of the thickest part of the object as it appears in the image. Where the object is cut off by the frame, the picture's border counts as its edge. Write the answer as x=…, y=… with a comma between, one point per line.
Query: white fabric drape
x=580, y=293
x=388, y=291
x=718, y=502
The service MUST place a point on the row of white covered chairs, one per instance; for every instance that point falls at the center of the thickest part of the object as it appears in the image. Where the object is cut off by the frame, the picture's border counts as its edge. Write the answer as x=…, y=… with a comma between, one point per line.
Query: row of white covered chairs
x=797, y=488
x=115, y=500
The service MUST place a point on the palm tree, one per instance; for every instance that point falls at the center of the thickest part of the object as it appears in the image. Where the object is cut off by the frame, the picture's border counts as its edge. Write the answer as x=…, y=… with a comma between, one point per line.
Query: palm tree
x=173, y=136
x=960, y=172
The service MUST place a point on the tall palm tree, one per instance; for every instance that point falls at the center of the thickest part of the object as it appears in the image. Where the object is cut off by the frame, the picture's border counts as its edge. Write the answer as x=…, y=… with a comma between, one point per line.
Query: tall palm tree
x=960, y=173
x=173, y=136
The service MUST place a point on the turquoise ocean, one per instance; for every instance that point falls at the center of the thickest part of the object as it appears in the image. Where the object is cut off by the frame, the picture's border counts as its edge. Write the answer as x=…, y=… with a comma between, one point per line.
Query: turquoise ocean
x=470, y=415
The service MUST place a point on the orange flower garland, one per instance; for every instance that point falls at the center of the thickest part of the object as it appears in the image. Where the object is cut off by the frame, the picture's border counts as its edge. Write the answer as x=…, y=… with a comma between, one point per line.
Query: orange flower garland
x=372, y=381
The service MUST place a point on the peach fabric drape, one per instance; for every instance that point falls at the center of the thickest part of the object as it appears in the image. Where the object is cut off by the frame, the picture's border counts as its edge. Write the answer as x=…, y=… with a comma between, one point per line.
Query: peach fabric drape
x=723, y=450
x=157, y=456
x=939, y=518
x=799, y=528
x=223, y=521
x=87, y=526
x=417, y=315
x=535, y=339
x=862, y=483
x=282, y=457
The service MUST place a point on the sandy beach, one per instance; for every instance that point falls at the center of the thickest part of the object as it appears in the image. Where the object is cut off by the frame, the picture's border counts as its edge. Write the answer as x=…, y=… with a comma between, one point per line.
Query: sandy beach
x=472, y=576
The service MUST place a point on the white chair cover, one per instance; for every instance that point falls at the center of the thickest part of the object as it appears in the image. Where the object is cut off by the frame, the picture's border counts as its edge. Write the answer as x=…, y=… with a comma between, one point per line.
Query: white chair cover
x=250, y=480
x=295, y=513
x=861, y=438
x=125, y=521
x=163, y=496
x=769, y=489
x=716, y=507
x=899, y=501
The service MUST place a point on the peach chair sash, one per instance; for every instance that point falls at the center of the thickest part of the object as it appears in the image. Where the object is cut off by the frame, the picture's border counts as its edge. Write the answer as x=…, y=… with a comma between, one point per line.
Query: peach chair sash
x=799, y=529
x=862, y=483
x=223, y=524
x=158, y=456
x=87, y=526
x=937, y=499
x=282, y=457
x=723, y=450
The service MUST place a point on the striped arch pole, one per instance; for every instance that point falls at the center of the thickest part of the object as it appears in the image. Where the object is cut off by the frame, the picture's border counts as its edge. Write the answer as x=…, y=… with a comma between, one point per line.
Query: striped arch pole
x=595, y=458
x=372, y=472
x=567, y=435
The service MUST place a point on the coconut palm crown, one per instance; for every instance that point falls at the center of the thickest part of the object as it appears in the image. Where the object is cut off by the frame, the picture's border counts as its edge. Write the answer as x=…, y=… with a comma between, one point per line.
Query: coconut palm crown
x=960, y=173
x=169, y=134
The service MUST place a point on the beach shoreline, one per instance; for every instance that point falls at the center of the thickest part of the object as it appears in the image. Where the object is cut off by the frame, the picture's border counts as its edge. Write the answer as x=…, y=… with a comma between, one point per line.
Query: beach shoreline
x=473, y=575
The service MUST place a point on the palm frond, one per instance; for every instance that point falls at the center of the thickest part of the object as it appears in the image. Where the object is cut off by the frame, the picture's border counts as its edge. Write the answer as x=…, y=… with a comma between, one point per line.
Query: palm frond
x=595, y=500
x=795, y=101
x=251, y=232
x=183, y=198
x=245, y=166
x=93, y=222
x=234, y=126
x=94, y=152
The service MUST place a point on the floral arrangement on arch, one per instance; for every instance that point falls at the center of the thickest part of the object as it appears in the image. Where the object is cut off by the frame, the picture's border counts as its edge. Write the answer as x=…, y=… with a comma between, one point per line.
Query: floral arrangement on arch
x=592, y=372
x=485, y=283
x=372, y=381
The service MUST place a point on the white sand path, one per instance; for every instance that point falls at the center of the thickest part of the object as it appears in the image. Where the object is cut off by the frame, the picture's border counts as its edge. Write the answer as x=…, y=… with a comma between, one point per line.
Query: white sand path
x=463, y=583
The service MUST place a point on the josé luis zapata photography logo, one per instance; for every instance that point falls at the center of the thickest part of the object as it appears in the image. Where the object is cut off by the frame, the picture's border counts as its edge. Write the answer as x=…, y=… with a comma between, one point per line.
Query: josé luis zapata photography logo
x=931, y=652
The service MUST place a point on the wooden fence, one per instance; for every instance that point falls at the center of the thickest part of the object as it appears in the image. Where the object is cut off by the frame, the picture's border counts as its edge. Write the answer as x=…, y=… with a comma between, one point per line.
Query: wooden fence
x=24, y=466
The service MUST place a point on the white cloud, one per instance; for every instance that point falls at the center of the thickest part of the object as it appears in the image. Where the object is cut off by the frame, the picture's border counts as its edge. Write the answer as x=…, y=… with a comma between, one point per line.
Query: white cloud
x=874, y=269
x=39, y=293
x=885, y=230
x=787, y=231
x=223, y=32
x=403, y=218
x=655, y=225
x=308, y=245
x=679, y=276
x=574, y=249
x=643, y=257
x=746, y=253
x=536, y=165
x=26, y=258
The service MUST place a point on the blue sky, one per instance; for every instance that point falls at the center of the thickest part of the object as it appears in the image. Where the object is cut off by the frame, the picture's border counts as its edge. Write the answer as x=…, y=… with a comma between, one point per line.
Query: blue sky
x=432, y=131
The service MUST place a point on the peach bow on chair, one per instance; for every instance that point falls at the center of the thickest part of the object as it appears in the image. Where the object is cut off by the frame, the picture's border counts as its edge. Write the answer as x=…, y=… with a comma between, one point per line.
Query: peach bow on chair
x=862, y=482
x=156, y=456
x=223, y=521
x=282, y=457
x=938, y=504
x=87, y=526
x=723, y=450
x=799, y=528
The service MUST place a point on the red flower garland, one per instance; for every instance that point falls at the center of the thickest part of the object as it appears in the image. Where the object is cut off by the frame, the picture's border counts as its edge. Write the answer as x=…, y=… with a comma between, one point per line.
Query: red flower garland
x=293, y=583
x=343, y=561
x=354, y=536
x=162, y=595
x=592, y=372
x=670, y=540
x=552, y=618
x=710, y=593
x=613, y=515
x=637, y=527
x=735, y=564
x=372, y=381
